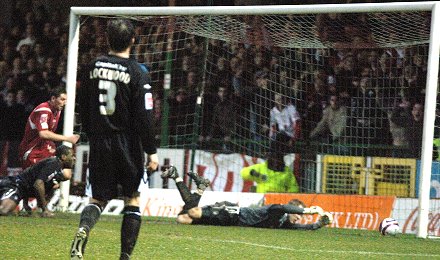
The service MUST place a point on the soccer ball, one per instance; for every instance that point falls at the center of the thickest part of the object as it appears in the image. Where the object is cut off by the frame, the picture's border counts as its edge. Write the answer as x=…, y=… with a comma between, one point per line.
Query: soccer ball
x=389, y=226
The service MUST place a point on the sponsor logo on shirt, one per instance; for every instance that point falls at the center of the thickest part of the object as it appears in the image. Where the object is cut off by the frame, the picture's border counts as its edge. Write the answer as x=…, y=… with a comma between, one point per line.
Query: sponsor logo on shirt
x=148, y=101
x=43, y=121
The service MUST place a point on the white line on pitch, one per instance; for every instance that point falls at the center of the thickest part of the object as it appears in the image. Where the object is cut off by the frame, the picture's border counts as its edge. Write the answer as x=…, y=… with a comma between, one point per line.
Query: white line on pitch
x=324, y=251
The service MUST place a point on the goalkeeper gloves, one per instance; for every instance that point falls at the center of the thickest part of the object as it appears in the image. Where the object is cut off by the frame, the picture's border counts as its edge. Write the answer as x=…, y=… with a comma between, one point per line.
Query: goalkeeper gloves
x=314, y=210
x=326, y=218
x=256, y=174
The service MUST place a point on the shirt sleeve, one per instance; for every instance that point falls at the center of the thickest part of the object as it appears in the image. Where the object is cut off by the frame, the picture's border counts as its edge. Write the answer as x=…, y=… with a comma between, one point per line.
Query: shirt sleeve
x=246, y=172
x=294, y=114
x=273, y=120
x=339, y=125
x=143, y=110
x=321, y=126
x=41, y=118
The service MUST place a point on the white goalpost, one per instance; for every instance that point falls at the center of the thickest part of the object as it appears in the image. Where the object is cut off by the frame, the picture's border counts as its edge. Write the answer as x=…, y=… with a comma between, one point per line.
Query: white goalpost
x=431, y=76
x=428, y=131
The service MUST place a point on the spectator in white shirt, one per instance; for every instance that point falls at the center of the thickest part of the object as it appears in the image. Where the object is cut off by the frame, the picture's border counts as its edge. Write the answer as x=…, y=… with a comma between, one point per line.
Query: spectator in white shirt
x=30, y=37
x=284, y=123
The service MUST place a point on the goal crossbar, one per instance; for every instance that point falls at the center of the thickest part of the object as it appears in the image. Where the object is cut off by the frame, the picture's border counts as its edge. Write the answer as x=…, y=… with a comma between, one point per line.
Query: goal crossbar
x=432, y=76
x=257, y=10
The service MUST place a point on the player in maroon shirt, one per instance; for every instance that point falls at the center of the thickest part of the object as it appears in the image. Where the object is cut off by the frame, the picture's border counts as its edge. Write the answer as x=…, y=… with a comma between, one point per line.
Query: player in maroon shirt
x=39, y=137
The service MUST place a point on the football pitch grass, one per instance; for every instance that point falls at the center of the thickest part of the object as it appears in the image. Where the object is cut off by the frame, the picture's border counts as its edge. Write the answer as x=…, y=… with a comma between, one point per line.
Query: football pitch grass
x=161, y=238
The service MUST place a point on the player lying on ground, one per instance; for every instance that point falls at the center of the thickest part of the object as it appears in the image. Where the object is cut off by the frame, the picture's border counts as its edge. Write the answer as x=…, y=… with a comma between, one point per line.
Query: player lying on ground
x=230, y=214
x=37, y=181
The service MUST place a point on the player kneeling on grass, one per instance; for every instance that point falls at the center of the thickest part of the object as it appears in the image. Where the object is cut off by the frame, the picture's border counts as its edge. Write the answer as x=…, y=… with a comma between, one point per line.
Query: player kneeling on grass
x=230, y=214
x=37, y=181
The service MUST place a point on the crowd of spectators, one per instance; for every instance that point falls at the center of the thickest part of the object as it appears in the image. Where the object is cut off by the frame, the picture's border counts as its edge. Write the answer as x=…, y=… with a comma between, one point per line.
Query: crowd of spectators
x=33, y=56
x=369, y=83
x=240, y=88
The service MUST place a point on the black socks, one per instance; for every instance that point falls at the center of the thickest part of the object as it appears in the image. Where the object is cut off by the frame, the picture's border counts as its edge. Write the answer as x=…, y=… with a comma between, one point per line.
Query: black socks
x=184, y=191
x=89, y=217
x=131, y=224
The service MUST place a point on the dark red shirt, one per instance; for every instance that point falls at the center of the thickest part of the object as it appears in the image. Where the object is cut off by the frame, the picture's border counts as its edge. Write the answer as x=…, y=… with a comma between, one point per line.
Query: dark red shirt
x=41, y=118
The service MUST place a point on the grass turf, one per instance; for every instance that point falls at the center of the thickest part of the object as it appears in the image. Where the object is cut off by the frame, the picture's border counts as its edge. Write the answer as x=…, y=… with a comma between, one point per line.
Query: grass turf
x=161, y=238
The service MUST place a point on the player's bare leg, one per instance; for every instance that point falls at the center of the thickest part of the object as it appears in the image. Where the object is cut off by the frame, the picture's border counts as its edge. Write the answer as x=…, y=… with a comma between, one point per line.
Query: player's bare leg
x=7, y=206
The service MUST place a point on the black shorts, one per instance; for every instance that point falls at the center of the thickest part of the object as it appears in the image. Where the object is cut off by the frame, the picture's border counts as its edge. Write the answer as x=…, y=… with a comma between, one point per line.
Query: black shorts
x=115, y=159
x=193, y=202
x=9, y=189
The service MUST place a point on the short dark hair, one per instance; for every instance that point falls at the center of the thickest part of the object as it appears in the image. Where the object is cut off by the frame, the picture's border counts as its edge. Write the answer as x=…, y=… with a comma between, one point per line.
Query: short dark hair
x=297, y=203
x=275, y=160
x=62, y=150
x=58, y=91
x=119, y=34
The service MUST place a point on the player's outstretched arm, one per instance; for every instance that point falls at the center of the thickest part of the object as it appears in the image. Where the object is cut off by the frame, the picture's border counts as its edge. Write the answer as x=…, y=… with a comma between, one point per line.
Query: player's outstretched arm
x=325, y=219
x=314, y=210
x=291, y=209
x=49, y=135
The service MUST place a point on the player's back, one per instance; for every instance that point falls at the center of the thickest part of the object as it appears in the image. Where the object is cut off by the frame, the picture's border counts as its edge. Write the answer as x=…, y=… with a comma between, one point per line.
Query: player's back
x=108, y=95
x=219, y=215
x=44, y=169
x=267, y=216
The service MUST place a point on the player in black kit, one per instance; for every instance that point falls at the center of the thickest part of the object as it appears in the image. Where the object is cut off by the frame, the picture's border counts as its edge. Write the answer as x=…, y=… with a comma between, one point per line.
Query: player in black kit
x=37, y=181
x=230, y=214
x=115, y=108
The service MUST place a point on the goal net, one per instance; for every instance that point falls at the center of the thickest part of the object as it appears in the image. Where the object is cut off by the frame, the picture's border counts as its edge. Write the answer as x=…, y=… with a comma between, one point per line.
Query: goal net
x=338, y=96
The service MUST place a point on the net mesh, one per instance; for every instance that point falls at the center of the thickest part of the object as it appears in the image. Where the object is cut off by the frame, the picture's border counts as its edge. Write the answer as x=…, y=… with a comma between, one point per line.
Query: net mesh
x=268, y=84
x=354, y=30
